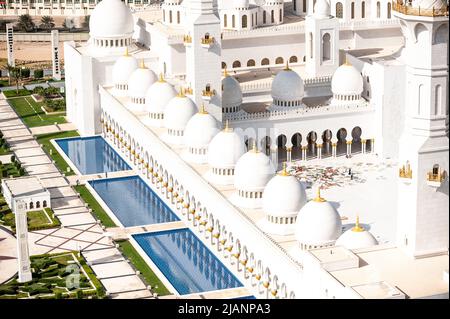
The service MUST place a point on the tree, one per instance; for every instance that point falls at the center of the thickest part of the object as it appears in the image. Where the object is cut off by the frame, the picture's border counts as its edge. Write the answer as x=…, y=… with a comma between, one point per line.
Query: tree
x=16, y=74
x=86, y=21
x=47, y=22
x=26, y=23
x=10, y=69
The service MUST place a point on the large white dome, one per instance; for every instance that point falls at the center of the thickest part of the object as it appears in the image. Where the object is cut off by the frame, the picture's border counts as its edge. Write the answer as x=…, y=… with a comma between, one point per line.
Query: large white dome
x=356, y=237
x=111, y=19
x=200, y=130
x=288, y=86
x=158, y=96
x=347, y=81
x=139, y=82
x=225, y=149
x=123, y=68
x=318, y=223
x=178, y=112
x=253, y=171
x=232, y=93
x=240, y=4
x=283, y=196
x=322, y=9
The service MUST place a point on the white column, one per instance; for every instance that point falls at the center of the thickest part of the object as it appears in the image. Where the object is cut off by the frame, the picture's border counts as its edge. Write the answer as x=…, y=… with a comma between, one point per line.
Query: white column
x=23, y=255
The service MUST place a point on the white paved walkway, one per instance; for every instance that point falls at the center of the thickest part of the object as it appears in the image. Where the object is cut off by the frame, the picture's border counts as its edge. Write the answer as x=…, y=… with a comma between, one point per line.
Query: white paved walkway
x=79, y=230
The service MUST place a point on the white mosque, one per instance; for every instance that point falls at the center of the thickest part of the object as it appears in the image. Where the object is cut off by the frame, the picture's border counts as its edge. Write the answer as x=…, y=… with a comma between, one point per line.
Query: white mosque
x=212, y=100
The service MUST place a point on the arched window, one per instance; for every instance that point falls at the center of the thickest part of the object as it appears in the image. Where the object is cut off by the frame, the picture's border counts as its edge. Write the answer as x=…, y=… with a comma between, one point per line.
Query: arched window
x=304, y=5
x=164, y=15
x=251, y=62
x=244, y=21
x=225, y=20
x=326, y=47
x=281, y=14
x=293, y=59
x=378, y=9
x=279, y=60
x=178, y=17
x=265, y=61
x=44, y=203
x=438, y=100
x=339, y=10
x=31, y=205
x=272, y=16
x=420, y=98
x=236, y=64
x=224, y=65
x=170, y=16
x=311, y=45
x=264, y=17
x=363, y=9
x=294, y=2
x=389, y=7
x=233, y=21
x=353, y=10
x=38, y=204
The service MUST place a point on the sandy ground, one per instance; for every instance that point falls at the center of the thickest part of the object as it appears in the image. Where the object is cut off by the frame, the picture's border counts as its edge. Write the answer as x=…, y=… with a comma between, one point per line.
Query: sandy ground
x=34, y=53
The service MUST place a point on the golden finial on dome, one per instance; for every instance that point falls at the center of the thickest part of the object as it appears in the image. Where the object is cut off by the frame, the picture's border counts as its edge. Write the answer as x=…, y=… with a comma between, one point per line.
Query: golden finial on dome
x=284, y=171
x=357, y=227
x=161, y=77
x=254, y=147
x=126, y=52
x=318, y=198
x=202, y=109
x=181, y=93
x=142, y=66
x=227, y=127
x=286, y=68
x=225, y=72
x=346, y=61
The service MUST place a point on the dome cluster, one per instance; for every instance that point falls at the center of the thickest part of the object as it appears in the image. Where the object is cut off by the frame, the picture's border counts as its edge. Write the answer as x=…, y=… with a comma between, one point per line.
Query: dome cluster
x=231, y=94
x=122, y=70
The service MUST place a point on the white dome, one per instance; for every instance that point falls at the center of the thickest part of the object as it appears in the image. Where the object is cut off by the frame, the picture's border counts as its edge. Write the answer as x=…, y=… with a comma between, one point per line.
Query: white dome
x=356, y=238
x=225, y=149
x=200, y=130
x=287, y=86
x=158, y=96
x=111, y=19
x=322, y=9
x=283, y=196
x=253, y=171
x=240, y=4
x=318, y=223
x=178, y=112
x=232, y=93
x=347, y=81
x=123, y=68
x=139, y=82
x=430, y=4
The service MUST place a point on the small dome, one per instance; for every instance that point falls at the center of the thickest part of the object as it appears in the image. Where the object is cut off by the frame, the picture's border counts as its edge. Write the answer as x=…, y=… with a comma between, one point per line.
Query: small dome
x=284, y=195
x=158, y=96
x=356, y=238
x=225, y=149
x=253, y=171
x=347, y=80
x=139, y=82
x=322, y=9
x=240, y=4
x=318, y=223
x=123, y=68
x=288, y=86
x=232, y=93
x=200, y=130
x=178, y=112
x=111, y=19
x=430, y=4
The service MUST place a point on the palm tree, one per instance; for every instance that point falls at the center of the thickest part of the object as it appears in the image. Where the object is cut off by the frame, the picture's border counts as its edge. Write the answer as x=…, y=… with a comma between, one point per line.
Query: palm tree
x=25, y=23
x=10, y=70
x=16, y=74
x=47, y=22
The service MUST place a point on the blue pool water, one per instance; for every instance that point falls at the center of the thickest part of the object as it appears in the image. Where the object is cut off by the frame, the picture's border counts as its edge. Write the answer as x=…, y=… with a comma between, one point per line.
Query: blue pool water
x=92, y=155
x=186, y=262
x=132, y=201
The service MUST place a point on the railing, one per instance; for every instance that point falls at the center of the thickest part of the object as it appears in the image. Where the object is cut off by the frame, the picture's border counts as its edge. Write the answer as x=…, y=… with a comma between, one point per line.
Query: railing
x=409, y=10
x=290, y=114
x=266, y=85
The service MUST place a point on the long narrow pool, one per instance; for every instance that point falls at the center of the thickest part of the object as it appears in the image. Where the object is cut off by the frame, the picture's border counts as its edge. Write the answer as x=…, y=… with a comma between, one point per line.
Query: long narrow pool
x=186, y=262
x=132, y=201
x=92, y=155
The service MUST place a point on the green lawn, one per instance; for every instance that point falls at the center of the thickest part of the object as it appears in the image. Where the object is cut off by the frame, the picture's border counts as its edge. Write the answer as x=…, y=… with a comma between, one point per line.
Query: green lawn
x=31, y=113
x=52, y=278
x=97, y=209
x=13, y=93
x=139, y=263
x=44, y=139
